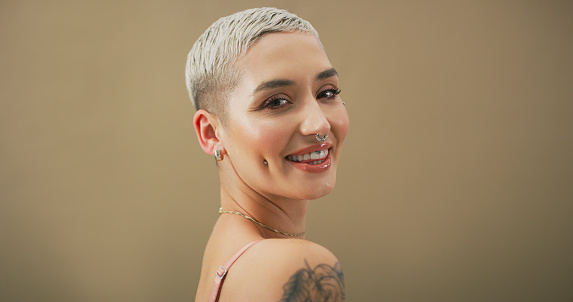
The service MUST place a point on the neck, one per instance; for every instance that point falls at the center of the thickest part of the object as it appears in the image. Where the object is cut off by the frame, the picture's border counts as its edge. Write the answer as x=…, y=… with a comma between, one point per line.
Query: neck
x=287, y=215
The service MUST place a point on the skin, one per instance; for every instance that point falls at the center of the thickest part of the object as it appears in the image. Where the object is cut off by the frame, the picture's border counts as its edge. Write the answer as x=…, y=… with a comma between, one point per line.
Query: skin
x=268, y=123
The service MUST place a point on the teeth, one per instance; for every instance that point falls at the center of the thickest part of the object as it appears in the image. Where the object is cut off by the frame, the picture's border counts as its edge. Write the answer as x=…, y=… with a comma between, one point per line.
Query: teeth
x=317, y=157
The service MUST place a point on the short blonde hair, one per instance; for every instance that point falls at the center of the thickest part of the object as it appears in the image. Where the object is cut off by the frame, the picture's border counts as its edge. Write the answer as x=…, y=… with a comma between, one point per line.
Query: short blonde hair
x=210, y=71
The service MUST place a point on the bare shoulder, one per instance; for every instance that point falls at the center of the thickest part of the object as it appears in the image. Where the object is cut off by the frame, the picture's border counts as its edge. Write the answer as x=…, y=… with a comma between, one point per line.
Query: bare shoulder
x=285, y=270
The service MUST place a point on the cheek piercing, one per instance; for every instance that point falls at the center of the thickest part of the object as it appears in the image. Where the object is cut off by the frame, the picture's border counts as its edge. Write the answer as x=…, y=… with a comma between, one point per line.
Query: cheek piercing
x=218, y=155
x=321, y=138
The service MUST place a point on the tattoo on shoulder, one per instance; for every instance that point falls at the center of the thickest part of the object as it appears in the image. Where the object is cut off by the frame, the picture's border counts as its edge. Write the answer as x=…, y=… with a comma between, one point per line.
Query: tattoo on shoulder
x=324, y=283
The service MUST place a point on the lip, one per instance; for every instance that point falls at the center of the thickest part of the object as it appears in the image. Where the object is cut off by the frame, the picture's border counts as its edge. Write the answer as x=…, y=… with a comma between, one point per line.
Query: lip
x=305, y=166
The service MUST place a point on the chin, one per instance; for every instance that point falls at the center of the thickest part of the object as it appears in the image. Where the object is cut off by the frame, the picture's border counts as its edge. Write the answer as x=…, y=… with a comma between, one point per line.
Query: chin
x=315, y=192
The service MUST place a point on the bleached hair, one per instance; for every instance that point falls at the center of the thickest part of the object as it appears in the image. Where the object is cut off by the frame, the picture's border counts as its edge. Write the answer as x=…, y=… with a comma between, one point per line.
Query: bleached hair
x=210, y=71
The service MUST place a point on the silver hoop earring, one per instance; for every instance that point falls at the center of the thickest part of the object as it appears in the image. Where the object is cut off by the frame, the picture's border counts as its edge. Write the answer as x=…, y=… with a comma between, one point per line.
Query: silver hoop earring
x=321, y=138
x=218, y=155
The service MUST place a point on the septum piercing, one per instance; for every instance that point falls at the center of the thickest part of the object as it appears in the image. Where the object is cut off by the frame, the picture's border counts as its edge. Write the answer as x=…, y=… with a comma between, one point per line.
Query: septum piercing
x=321, y=138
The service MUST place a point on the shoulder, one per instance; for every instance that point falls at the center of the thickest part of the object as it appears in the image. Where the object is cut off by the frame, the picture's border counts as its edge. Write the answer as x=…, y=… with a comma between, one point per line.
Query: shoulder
x=285, y=270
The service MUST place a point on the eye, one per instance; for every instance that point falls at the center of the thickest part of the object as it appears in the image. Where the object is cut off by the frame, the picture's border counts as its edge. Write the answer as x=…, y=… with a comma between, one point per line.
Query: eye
x=275, y=102
x=329, y=93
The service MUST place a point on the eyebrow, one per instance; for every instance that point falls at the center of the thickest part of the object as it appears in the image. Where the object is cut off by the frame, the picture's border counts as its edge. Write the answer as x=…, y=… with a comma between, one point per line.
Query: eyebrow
x=273, y=84
x=283, y=82
x=326, y=74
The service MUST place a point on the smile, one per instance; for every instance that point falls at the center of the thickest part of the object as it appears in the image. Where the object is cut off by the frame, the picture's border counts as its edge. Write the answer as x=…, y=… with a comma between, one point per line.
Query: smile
x=312, y=158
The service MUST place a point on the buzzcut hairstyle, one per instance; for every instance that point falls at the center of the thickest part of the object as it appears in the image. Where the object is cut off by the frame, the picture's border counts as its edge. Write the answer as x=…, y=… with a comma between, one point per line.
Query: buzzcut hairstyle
x=211, y=72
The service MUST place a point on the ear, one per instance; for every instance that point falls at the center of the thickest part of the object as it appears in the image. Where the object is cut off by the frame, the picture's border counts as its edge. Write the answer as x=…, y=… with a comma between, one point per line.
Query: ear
x=206, y=125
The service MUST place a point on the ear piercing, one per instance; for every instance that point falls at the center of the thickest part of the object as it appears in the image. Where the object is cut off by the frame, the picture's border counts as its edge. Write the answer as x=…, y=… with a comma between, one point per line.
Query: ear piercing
x=321, y=138
x=218, y=155
x=265, y=162
x=343, y=103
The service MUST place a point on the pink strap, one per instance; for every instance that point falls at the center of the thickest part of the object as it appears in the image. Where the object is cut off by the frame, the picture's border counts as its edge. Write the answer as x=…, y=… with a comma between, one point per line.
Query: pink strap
x=222, y=272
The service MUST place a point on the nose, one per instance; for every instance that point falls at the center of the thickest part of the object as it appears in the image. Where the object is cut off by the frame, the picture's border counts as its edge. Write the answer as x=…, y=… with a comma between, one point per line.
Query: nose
x=315, y=120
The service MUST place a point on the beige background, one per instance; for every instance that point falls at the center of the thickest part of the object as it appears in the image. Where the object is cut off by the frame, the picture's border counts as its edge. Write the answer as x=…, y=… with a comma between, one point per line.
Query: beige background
x=455, y=183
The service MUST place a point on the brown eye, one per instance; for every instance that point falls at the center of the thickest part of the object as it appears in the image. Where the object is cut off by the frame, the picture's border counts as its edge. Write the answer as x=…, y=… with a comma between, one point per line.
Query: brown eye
x=275, y=102
x=328, y=94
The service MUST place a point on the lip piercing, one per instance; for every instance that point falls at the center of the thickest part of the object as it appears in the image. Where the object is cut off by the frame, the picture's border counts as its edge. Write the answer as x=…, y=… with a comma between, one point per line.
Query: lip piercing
x=321, y=138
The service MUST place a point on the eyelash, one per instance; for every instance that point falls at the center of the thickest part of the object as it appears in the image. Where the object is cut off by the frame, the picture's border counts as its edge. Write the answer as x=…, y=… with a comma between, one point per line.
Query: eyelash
x=267, y=103
x=334, y=91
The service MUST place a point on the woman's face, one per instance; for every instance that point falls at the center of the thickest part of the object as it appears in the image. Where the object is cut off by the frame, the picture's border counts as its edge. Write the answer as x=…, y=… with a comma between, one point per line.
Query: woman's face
x=288, y=93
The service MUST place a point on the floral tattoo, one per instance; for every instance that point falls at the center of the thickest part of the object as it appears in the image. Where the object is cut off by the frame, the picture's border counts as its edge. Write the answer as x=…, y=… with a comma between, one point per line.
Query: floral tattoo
x=323, y=284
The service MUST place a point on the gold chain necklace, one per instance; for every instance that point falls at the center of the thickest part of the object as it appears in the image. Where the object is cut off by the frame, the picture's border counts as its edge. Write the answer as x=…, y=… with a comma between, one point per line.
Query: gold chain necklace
x=221, y=211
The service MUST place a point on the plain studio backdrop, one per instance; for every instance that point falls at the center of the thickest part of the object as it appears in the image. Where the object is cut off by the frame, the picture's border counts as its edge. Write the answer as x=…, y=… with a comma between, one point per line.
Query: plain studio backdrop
x=455, y=183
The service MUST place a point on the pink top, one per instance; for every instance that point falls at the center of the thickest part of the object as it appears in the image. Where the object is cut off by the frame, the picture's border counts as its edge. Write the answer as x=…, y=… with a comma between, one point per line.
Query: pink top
x=222, y=272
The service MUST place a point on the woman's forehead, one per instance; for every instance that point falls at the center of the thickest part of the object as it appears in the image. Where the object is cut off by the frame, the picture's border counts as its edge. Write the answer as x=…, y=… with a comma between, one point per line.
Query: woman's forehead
x=280, y=55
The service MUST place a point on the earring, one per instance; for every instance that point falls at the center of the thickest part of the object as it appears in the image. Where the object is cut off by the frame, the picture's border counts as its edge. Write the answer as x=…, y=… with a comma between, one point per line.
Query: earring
x=218, y=155
x=265, y=162
x=343, y=103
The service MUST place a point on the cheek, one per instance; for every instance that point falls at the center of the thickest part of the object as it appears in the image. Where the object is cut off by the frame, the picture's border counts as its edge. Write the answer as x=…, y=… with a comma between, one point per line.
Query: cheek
x=340, y=125
x=260, y=139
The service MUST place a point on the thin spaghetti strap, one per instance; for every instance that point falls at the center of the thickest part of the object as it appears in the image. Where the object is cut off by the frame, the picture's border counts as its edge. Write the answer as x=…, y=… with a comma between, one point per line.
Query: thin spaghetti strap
x=222, y=272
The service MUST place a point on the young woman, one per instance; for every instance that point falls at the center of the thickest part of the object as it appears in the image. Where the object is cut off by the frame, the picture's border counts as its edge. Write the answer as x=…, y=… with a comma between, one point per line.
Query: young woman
x=269, y=110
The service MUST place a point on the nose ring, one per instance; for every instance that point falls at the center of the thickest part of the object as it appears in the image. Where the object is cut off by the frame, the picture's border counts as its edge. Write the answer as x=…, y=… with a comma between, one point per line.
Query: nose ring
x=321, y=138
